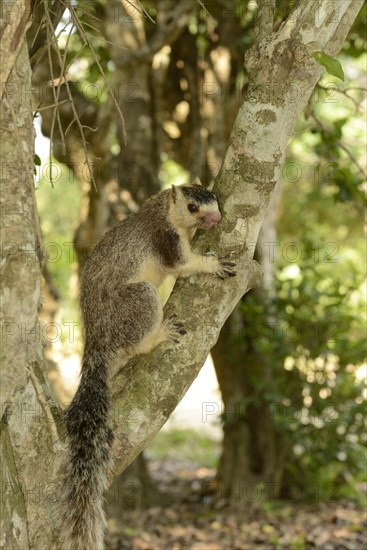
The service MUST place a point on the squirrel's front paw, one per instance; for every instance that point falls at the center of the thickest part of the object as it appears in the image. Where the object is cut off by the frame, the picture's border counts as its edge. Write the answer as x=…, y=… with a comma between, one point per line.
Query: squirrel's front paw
x=221, y=267
x=174, y=329
x=225, y=268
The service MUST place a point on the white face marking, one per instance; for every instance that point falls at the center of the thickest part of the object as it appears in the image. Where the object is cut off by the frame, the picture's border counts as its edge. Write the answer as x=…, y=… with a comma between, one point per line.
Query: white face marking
x=183, y=218
x=209, y=215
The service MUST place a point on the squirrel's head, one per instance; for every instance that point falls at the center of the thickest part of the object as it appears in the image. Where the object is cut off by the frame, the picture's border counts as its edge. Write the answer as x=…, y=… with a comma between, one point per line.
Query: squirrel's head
x=194, y=207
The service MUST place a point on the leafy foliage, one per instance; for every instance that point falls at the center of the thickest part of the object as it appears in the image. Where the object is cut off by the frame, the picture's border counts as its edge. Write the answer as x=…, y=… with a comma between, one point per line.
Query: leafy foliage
x=309, y=339
x=317, y=398
x=313, y=332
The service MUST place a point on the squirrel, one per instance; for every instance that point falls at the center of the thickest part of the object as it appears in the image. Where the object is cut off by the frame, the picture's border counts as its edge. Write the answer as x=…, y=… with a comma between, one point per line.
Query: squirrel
x=121, y=311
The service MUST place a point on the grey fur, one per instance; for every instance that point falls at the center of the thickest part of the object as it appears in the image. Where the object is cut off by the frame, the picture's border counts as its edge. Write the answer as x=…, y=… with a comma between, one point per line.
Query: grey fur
x=121, y=310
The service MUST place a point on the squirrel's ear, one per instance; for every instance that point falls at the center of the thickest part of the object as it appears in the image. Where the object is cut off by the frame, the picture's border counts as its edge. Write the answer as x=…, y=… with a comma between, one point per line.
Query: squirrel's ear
x=197, y=182
x=174, y=194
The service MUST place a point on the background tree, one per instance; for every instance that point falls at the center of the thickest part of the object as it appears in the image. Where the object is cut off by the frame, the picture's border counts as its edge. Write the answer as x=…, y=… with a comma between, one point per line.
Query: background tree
x=268, y=408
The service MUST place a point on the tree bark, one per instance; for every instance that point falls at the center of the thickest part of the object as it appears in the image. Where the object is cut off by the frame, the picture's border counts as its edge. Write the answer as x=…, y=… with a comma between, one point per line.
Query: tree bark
x=15, y=21
x=29, y=435
x=252, y=450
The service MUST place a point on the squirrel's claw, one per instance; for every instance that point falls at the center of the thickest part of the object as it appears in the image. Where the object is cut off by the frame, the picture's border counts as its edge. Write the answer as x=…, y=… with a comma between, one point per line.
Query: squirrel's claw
x=226, y=269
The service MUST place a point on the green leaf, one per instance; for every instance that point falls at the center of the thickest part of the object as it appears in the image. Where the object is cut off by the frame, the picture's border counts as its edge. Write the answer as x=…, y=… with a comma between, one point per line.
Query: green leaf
x=331, y=65
x=37, y=160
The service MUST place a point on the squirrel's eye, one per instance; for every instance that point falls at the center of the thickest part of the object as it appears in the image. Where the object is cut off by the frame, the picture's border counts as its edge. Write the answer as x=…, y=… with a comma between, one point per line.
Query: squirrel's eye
x=192, y=208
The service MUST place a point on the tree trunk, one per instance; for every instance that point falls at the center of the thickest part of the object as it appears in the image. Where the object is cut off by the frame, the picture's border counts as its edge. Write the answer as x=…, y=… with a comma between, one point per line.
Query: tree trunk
x=29, y=418
x=253, y=451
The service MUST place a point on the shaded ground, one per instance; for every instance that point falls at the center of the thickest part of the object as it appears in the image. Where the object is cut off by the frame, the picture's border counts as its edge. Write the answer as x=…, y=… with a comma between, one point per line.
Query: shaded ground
x=194, y=522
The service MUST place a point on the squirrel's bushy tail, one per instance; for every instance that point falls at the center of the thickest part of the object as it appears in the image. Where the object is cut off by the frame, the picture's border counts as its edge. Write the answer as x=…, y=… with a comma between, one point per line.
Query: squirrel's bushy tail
x=82, y=517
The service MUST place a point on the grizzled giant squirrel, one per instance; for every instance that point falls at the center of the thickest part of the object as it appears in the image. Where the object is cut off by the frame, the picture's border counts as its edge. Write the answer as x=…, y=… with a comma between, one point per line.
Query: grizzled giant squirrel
x=122, y=312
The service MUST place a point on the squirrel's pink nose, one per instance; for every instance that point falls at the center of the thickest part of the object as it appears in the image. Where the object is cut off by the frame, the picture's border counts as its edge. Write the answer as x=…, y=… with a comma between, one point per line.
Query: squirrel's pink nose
x=215, y=217
x=210, y=219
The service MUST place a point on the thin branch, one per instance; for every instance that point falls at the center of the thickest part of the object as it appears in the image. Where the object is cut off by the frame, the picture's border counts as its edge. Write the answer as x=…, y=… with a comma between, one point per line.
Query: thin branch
x=141, y=11
x=204, y=7
x=343, y=92
x=38, y=46
x=61, y=61
x=39, y=109
x=45, y=407
x=352, y=158
x=342, y=146
x=56, y=114
x=49, y=280
x=83, y=125
x=84, y=11
x=96, y=59
x=100, y=37
x=63, y=71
